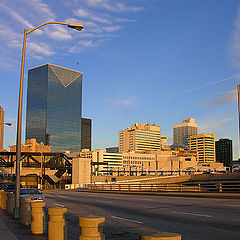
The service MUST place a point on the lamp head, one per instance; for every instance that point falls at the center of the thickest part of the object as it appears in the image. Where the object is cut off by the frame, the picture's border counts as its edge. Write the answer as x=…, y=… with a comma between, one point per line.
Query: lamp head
x=76, y=26
x=8, y=124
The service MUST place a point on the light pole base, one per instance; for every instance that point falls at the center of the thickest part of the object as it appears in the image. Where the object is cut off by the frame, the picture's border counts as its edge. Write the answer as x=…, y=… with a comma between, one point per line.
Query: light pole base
x=16, y=213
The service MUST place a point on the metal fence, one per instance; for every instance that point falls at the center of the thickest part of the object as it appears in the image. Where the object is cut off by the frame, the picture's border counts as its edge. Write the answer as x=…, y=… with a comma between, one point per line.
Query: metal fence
x=231, y=186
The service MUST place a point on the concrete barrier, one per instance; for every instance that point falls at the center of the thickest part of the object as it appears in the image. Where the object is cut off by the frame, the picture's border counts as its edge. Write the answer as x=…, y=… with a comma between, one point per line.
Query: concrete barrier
x=92, y=228
x=10, y=203
x=25, y=212
x=3, y=200
x=38, y=220
x=162, y=236
x=56, y=224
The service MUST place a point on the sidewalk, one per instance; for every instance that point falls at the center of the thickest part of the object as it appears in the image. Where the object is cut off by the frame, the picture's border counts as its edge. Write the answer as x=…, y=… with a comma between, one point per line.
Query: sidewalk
x=5, y=233
x=11, y=229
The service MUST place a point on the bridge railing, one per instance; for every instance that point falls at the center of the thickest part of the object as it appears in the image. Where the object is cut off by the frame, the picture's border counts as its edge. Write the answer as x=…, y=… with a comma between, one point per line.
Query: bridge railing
x=199, y=187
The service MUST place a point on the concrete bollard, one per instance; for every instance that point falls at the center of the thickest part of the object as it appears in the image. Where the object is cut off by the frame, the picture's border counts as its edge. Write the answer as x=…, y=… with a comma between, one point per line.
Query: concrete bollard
x=25, y=217
x=37, y=225
x=3, y=200
x=1, y=191
x=56, y=224
x=162, y=236
x=10, y=203
x=92, y=228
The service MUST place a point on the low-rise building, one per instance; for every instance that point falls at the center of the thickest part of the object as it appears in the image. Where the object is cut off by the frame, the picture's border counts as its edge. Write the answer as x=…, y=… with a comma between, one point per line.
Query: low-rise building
x=31, y=145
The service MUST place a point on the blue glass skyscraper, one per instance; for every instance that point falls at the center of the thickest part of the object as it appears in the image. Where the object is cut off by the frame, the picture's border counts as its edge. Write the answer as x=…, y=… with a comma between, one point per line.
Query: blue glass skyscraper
x=54, y=107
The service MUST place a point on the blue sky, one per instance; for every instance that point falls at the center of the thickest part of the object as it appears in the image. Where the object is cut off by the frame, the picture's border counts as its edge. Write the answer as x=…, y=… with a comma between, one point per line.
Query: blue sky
x=142, y=61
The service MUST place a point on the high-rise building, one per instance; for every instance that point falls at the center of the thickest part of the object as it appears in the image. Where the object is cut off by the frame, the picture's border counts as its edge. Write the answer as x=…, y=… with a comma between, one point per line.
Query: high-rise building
x=54, y=107
x=182, y=132
x=239, y=115
x=1, y=126
x=163, y=142
x=224, y=151
x=204, y=145
x=86, y=133
x=140, y=137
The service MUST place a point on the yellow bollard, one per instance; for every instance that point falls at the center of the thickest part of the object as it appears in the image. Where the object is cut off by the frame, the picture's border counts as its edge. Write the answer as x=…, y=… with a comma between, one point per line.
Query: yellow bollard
x=4, y=200
x=37, y=226
x=1, y=191
x=162, y=236
x=10, y=203
x=92, y=228
x=56, y=224
x=25, y=212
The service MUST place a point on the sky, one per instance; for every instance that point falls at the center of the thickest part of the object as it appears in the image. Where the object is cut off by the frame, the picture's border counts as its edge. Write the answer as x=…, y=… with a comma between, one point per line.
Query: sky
x=142, y=61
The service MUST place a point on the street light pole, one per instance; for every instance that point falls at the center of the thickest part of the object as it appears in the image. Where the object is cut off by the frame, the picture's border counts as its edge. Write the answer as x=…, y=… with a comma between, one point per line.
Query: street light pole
x=76, y=26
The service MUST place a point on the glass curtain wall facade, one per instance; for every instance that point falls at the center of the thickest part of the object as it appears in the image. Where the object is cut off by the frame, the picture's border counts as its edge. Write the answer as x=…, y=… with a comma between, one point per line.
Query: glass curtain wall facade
x=54, y=107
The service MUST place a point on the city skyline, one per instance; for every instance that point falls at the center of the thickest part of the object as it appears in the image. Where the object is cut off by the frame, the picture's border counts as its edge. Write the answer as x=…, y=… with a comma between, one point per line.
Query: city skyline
x=142, y=61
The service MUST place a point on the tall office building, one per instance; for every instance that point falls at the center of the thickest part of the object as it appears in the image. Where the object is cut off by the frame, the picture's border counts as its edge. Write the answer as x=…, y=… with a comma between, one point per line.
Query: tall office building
x=54, y=107
x=239, y=117
x=163, y=142
x=182, y=132
x=204, y=145
x=224, y=151
x=86, y=133
x=140, y=137
x=1, y=126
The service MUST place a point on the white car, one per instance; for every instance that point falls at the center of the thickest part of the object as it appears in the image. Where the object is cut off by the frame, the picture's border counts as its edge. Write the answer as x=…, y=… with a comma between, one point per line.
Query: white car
x=32, y=193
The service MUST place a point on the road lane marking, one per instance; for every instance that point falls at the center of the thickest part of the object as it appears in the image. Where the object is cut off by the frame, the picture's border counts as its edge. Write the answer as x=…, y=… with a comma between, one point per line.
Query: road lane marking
x=58, y=204
x=232, y=205
x=193, y=214
x=129, y=220
x=103, y=201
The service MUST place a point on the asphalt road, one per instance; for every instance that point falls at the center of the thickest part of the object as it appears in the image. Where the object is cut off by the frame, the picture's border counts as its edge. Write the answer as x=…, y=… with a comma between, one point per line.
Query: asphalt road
x=130, y=216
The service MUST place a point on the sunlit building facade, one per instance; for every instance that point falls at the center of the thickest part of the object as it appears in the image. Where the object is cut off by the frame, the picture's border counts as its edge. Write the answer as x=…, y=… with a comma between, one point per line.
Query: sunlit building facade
x=204, y=145
x=1, y=126
x=54, y=107
x=182, y=132
x=140, y=137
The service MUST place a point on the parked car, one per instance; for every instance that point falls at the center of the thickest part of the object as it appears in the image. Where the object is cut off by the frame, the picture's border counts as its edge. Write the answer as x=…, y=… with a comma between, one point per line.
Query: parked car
x=11, y=187
x=32, y=193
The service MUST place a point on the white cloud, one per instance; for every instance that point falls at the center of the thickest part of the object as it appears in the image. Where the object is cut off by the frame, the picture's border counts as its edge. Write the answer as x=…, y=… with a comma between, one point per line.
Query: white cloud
x=124, y=20
x=59, y=33
x=234, y=77
x=82, y=45
x=41, y=49
x=211, y=124
x=15, y=15
x=41, y=8
x=111, y=28
x=121, y=103
x=113, y=6
x=224, y=97
x=83, y=13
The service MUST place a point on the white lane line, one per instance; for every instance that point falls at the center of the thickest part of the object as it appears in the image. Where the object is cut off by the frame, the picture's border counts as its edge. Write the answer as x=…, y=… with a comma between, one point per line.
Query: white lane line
x=193, y=214
x=232, y=205
x=103, y=201
x=129, y=220
x=58, y=204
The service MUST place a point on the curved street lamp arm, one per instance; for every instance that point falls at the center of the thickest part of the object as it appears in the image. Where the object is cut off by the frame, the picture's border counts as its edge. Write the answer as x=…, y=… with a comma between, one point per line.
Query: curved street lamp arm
x=45, y=24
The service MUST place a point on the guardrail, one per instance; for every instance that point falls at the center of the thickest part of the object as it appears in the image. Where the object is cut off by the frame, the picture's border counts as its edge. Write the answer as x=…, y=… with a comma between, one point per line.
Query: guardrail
x=199, y=187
